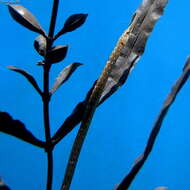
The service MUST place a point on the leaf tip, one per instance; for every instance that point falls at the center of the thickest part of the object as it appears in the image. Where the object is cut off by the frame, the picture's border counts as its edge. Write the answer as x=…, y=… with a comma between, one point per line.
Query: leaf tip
x=21, y=15
x=11, y=67
x=78, y=64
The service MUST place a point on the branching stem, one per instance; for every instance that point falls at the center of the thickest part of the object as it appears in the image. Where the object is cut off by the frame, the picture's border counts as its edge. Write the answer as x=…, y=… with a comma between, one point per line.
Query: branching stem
x=46, y=96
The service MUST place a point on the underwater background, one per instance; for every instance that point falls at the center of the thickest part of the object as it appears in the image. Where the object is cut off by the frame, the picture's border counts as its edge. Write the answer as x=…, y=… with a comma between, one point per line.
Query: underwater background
x=121, y=126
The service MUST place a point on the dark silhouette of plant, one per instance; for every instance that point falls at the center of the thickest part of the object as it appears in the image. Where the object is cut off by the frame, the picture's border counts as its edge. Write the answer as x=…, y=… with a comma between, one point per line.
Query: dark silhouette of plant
x=51, y=55
x=122, y=60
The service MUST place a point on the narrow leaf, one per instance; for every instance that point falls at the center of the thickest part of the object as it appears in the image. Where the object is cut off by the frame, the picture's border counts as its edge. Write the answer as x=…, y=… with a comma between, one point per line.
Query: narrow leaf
x=70, y=122
x=73, y=119
x=57, y=54
x=40, y=44
x=28, y=76
x=131, y=45
x=72, y=23
x=64, y=75
x=126, y=182
x=17, y=129
x=25, y=18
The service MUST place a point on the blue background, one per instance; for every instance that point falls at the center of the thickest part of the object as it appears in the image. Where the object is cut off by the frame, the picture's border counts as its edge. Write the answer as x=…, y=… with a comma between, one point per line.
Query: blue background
x=121, y=126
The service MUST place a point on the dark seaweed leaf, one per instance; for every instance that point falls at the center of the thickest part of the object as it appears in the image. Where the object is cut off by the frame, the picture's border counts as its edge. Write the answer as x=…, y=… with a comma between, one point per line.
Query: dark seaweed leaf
x=64, y=75
x=25, y=18
x=17, y=129
x=57, y=54
x=40, y=45
x=70, y=122
x=72, y=23
x=73, y=119
x=28, y=76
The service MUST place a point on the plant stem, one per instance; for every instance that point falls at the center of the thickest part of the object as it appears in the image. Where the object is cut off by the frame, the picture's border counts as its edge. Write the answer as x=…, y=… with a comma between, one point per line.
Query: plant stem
x=46, y=99
x=46, y=96
x=50, y=170
x=53, y=18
